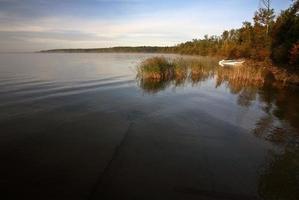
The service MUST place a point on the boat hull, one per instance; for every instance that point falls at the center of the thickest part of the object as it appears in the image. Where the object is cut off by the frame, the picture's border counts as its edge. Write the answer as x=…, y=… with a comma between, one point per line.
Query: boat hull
x=230, y=63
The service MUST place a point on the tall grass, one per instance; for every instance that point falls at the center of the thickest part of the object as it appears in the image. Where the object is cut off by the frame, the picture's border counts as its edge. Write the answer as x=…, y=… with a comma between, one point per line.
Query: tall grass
x=156, y=68
x=161, y=72
x=240, y=77
x=160, y=67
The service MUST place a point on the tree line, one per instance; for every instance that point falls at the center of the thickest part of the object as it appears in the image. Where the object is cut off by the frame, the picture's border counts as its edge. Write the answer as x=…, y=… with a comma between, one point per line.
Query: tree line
x=268, y=37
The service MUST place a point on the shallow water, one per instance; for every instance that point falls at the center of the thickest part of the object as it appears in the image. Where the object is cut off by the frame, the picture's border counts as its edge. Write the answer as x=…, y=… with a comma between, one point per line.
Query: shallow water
x=83, y=126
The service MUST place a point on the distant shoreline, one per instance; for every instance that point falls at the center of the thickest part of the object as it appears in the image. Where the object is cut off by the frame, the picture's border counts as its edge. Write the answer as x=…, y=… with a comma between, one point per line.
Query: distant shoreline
x=138, y=49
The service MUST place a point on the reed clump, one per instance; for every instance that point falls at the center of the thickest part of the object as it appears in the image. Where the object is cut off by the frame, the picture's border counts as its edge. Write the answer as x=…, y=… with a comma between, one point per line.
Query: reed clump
x=242, y=75
x=162, y=72
x=156, y=68
x=201, y=69
x=179, y=69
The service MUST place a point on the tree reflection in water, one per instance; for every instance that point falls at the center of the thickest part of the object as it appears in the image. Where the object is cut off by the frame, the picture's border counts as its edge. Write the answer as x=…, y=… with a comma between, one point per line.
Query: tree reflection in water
x=279, y=178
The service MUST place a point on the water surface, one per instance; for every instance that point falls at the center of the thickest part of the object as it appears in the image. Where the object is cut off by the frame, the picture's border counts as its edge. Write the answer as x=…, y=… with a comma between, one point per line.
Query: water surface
x=83, y=126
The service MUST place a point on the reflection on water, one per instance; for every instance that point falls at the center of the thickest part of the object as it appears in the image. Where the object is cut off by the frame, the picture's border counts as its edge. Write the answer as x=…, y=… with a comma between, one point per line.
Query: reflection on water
x=279, y=178
x=84, y=126
x=178, y=73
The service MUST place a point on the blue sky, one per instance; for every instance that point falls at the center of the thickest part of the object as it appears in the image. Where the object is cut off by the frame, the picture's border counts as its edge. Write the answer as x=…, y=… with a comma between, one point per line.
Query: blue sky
x=29, y=25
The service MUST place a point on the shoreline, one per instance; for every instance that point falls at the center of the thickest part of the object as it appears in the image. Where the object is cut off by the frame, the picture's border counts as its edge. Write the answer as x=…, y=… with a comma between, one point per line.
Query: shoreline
x=281, y=75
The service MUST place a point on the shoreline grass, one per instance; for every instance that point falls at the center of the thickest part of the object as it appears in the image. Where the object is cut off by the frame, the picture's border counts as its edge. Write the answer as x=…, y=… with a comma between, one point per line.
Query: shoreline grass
x=197, y=69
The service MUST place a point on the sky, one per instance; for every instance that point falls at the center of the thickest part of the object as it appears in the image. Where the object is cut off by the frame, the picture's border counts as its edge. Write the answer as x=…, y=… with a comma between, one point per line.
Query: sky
x=31, y=25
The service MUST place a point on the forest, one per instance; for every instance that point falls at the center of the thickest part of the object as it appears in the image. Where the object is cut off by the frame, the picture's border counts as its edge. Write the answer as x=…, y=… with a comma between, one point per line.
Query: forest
x=269, y=37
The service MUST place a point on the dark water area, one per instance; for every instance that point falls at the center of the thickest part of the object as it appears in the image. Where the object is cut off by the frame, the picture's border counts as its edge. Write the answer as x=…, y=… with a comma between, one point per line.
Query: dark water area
x=84, y=126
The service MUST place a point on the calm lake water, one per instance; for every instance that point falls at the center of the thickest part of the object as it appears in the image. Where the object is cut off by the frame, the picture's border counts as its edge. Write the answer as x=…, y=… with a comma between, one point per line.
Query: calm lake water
x=83, y=126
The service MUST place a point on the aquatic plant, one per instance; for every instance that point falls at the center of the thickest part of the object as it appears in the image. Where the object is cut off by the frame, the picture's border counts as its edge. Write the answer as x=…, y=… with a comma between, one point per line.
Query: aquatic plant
x=156, y=68
x=180, y=67
x=160, y=67
x=161, y=71
x=244, y=79
x=241, y=76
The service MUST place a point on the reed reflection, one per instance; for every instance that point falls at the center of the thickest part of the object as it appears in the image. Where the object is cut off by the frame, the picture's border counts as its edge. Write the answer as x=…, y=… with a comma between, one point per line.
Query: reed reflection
x=159, y=73
x=249, y=83
x=279, y=177
x=279, y=125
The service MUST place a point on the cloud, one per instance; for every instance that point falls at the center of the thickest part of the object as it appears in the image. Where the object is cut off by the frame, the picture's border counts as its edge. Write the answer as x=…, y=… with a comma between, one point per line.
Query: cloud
x=42, y=24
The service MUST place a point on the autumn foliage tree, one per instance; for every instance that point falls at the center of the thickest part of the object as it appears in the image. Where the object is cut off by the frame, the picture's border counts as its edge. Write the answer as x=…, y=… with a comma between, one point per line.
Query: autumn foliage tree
x=285, y=35
x=294, y=54
x=266, y=38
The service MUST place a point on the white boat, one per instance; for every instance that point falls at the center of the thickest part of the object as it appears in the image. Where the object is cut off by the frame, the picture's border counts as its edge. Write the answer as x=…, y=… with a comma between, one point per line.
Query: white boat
x=223, y=63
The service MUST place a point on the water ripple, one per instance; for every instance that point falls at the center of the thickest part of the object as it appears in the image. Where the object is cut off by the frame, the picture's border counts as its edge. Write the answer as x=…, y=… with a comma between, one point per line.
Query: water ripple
x=44, y=90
